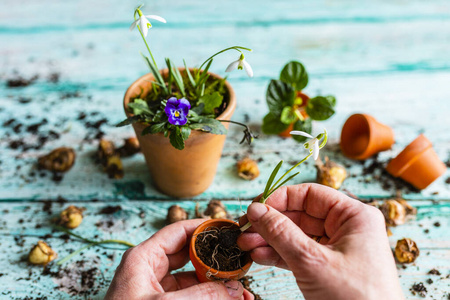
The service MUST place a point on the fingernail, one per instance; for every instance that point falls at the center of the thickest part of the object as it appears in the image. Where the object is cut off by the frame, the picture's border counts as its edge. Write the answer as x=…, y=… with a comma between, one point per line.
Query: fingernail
x=234, y=288
x=255, y=211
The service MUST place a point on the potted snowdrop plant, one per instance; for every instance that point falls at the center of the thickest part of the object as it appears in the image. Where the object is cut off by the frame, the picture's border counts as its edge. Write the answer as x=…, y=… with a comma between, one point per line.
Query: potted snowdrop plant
x=213, y=249
x=181, y=116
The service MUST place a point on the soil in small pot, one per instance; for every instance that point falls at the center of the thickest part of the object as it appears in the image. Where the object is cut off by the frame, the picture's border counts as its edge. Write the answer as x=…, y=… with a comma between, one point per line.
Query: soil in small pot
x=217, y=248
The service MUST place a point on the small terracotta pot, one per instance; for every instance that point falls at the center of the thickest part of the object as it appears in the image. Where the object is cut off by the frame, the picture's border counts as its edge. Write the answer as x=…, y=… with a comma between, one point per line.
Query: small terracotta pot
x=201, y=269
x=362, y=136
x=180, y=173
x=417, y=164
x=287, y=132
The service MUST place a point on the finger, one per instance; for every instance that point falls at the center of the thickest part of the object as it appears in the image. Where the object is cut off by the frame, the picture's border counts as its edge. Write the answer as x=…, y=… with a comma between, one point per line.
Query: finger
x=173, y=237
x=209, y=290
x=250, y=241
x=181, y=280
x=247, y=295
x=178, y=259
x=307, y=223
x=269, y=257
x=291, y=243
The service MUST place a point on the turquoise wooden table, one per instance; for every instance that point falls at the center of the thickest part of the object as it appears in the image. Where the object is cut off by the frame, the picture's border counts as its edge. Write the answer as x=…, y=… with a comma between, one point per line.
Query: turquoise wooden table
x=386, y=58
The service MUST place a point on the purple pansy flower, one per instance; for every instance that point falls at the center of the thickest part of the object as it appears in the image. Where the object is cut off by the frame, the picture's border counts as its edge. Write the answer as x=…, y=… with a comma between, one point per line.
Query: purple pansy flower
x=177, y=110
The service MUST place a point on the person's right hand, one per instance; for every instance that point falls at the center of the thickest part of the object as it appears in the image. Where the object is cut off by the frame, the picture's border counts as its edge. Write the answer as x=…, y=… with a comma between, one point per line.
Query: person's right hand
x=353, y=259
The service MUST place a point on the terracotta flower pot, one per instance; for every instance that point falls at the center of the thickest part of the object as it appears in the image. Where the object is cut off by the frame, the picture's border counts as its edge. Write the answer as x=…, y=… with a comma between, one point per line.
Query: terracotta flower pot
x=286, y=133
x=362, y=136
x=417, y=164
x=180, y=173
x=201, y=269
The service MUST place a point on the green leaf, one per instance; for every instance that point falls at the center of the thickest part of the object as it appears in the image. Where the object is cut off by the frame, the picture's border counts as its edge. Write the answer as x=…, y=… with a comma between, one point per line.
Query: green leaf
x=209, y=125
x=294, y=73
x=305, y=126
x=156, y=73
x=288, y=115
x=331, y=100
x=185, y=132
x=130, y=120
x=211, y=102
x=319, y=108
x=139, y=106
x=188, y=72
x=279, y=95
x=176, y=139
x=198, y=109
x=273, y=125
x=155, y=128
x=272, y=178
x=281, y=184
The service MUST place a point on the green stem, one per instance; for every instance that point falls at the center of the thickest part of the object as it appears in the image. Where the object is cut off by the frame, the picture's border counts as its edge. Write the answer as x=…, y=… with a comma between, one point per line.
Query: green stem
x=224, y=50
x=278, y=181
x=145, y=41
x=68, y=257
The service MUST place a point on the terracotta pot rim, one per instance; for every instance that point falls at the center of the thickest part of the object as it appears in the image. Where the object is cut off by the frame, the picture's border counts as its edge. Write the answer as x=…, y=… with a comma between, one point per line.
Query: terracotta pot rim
x=226, y=114
x=409, y=155
x=200, y=229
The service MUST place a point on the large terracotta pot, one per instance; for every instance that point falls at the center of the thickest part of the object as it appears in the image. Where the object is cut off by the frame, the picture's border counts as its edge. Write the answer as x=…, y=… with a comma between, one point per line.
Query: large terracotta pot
x=417, y=164
x=180, y=173
x=362, y=136
x=201, y=269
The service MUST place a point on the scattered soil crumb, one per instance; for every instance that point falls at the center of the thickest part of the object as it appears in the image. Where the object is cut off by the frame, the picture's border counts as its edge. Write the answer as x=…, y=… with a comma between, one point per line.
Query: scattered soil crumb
x=434, y=272
x=419, y=288
x=109, y=210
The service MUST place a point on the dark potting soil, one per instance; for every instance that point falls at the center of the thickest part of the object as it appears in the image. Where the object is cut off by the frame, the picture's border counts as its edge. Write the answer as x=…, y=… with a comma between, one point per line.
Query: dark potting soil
x=217, y=248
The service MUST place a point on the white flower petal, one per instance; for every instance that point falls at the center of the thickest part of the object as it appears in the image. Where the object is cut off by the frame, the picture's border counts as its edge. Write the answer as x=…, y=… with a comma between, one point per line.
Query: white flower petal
x=232, y=66
x=248, y=68
x=302, y=133
x=157, y=18
x=143, y=25
x=316, y=150
x=133, y=24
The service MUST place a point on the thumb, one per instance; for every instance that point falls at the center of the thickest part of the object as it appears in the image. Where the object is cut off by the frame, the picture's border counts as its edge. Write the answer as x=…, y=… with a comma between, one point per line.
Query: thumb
x=288, y=240
x=209, y=290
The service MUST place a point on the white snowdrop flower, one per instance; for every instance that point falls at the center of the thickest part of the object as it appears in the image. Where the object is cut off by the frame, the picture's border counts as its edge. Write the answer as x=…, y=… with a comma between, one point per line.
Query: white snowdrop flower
x=144, y=23
x=240, y=64
x=312, y=145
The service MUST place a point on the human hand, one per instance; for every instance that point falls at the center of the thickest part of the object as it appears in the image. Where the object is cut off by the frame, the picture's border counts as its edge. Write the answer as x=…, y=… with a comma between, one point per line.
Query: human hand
x=353, y=259
x=144, y=272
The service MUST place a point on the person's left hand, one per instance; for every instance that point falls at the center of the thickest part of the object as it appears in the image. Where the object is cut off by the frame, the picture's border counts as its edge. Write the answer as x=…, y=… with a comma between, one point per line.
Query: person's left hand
x=144, y=272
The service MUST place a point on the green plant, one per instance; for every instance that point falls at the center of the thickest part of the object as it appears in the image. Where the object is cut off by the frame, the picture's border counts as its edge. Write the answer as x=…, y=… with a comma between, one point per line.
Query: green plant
x=181, y=101
x=288, y=106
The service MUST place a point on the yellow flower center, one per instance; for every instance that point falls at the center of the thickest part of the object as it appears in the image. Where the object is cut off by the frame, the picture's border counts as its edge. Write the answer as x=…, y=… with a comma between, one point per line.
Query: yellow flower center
x=177, y=114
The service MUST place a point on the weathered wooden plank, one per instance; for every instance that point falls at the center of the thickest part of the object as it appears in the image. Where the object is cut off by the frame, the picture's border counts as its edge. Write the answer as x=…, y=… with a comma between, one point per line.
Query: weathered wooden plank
x=23, y=224
x=403, y=106
x=86, y=14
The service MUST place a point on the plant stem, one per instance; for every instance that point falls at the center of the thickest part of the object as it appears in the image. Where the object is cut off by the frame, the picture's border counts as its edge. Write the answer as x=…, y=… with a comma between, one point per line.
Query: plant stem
x=224, y=50
x=145, y=41
x=278, y=181
x=68, y=257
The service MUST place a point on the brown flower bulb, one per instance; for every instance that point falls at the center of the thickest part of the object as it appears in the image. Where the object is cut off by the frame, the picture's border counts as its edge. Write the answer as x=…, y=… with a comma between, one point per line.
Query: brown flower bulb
x=71, y=217
x=394, y=213
x=216, y=210
x=130, y=147
x=41, y=254
x=110, y=159
x=59, y=160
x=406, y=251
x=247, y=168
x=176, y=213
x=330, y=174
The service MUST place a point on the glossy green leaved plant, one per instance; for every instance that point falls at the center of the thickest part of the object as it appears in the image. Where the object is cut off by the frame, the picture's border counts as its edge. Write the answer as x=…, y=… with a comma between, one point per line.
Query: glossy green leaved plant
x=289, y=106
